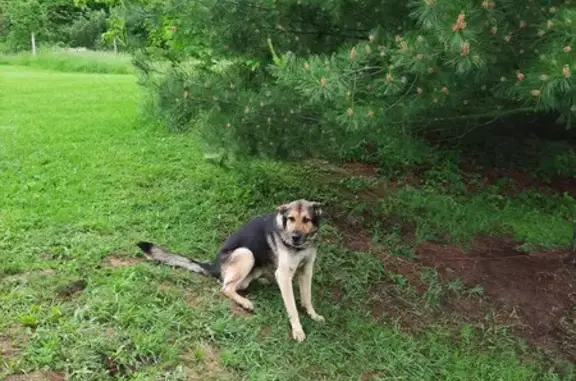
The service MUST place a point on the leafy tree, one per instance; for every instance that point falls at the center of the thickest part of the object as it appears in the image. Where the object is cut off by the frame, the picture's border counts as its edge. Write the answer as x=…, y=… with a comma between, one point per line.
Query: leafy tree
x=27, y=19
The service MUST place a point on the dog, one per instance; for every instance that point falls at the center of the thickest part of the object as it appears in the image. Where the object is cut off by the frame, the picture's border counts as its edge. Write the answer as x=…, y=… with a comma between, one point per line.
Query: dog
x=281, y=241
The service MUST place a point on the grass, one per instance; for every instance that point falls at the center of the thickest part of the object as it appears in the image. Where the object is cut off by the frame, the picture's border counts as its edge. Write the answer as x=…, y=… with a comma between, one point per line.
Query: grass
x=84, y=178
x=450, y=218
x=84, y=62
x=441, y=208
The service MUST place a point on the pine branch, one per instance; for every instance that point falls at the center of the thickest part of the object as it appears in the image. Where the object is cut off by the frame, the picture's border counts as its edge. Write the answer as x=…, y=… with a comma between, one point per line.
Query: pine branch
x=403, y=96
x=492, y=114
x=318, y=32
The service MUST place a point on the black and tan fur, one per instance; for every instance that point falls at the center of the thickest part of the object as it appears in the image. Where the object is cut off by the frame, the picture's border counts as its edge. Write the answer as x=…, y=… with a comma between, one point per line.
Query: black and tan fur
x=282, y=242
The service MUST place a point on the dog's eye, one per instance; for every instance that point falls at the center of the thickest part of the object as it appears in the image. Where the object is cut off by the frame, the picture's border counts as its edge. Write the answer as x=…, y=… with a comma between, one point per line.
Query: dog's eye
x=291, y=219
x=305, y=220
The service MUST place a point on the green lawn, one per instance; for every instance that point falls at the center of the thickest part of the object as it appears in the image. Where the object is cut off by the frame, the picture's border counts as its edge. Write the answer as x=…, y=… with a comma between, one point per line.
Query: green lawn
x=84, y=178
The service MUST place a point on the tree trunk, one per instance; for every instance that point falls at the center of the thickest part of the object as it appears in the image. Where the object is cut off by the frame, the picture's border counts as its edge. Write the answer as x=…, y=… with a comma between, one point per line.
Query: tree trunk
x=115, y=46
x=33, y=40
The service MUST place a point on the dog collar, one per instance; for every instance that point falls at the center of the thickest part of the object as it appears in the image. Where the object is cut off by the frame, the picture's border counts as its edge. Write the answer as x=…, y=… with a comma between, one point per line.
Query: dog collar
x=296, y=248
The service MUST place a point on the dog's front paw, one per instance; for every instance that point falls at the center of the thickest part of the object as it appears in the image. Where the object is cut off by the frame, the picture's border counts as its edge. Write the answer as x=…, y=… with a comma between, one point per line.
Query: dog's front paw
x=298, y=334
x=247, y=305
x=319, y=318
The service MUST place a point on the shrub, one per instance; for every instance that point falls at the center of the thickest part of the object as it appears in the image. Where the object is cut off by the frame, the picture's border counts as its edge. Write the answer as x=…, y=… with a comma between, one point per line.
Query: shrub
x=360, y=80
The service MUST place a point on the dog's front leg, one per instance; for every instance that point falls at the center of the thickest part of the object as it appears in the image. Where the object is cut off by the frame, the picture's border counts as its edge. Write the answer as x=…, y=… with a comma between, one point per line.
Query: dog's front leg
x=305, y=283
x=284, y=276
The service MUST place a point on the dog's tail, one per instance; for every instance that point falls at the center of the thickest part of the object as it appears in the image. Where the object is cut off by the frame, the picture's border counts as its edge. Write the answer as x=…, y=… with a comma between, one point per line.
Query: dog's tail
x=156, y=253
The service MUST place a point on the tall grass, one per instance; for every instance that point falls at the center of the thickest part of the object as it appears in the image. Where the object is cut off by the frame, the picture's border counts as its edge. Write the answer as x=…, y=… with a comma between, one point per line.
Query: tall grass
x=68, y=61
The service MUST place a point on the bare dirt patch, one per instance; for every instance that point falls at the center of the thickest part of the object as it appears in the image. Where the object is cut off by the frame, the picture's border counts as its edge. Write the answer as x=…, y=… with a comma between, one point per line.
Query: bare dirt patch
x=371, y=376
x=115, y=261
x=360, y=241
x=372, y=171
x=25, y=276
x=70, y=289
x=37, y=376
x=265, y=330
x=238, y=311
x=7, y=347
x=539, y=288
x=361, y=169
x=12, y=342
x=204, y=363
x=402, y=299
x=194, y=297
x=520, y=180
x=535, y=294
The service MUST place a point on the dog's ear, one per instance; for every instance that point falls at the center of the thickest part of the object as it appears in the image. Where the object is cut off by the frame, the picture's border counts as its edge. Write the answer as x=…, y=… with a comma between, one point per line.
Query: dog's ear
x=282, y=209
x=318, y=208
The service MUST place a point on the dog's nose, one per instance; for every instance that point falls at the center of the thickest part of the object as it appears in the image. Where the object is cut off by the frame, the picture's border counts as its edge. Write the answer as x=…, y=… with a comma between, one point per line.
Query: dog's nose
x=296, y=236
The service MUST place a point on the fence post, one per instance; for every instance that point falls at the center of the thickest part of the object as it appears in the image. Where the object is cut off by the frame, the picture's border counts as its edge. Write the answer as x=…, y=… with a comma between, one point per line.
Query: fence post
x=33, y=40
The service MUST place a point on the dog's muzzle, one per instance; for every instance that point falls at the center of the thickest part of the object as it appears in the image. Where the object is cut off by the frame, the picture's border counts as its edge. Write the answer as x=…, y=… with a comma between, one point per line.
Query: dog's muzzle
x=297, y=238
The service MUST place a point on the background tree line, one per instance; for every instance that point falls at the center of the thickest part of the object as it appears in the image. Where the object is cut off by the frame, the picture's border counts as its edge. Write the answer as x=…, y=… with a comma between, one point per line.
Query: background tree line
x=53, y=22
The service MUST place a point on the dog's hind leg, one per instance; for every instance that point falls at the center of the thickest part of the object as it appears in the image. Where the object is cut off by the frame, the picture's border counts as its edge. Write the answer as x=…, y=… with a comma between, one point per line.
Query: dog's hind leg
x=236, y=275
x=254, y=275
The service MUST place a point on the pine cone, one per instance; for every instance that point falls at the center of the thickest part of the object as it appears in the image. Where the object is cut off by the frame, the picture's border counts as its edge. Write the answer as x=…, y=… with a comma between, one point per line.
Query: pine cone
x=353, y=54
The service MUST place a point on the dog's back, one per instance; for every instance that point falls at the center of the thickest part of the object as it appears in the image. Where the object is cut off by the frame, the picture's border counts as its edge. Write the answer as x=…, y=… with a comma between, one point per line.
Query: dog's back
x=253, y=236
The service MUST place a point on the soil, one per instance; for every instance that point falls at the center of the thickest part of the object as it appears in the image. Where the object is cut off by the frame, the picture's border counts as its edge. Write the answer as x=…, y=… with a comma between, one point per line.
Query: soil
x=238, y=311
x=540, y=287
x=6, y=347
x=361, y=169
x=521, y=180
x=361, y=241
x=535, y=294
x=204, y=363
x=71, y=289
x=37, y=376
x=25, y=276
x=122, y=262
x=12, y=342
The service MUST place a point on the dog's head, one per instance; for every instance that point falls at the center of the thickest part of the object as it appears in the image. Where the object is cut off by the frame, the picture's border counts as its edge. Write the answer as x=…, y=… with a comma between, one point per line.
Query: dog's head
x=298, y=221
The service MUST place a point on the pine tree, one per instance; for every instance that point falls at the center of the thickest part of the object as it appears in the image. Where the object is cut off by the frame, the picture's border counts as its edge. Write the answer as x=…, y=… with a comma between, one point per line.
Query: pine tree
x=342, y=79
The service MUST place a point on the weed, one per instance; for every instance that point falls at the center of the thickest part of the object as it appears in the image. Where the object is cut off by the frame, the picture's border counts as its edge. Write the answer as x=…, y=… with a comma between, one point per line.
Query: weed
x=456, y=285
x=435, y=291
x=475, y=291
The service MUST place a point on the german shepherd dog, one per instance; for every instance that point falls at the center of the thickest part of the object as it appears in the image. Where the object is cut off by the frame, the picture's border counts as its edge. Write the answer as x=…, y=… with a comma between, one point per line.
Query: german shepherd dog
x=281, y=241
